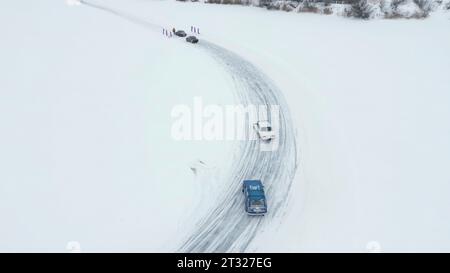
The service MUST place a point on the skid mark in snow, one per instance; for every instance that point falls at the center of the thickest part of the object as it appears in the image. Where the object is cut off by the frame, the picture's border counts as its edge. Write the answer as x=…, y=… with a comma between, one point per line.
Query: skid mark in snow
x=123, y=15
x=227, y=228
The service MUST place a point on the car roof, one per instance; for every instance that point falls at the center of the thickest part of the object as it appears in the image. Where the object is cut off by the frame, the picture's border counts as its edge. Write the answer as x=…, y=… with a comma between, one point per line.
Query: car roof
x=252, y=182
x=264, y=123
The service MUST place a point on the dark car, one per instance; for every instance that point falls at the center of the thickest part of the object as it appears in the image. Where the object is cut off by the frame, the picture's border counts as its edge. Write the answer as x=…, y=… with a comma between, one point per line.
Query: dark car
x=180, y=33
x=192, y=39
x=255, y=199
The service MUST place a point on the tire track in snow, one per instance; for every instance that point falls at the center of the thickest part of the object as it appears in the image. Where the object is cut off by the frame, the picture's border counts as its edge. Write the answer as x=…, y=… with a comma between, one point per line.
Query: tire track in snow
x=123, y=15
x=227, y=228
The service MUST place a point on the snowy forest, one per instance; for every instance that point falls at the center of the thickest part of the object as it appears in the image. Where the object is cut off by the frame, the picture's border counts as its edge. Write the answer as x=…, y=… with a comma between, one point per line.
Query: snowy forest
x=362, y=9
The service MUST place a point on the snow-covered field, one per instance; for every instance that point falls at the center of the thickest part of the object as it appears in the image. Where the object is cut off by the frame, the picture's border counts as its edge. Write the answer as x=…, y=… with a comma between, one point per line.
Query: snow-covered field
x=87, y=154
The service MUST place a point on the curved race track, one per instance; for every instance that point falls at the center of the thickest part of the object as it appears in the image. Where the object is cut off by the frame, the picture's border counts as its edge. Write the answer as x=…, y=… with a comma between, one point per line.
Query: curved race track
x=227, y=228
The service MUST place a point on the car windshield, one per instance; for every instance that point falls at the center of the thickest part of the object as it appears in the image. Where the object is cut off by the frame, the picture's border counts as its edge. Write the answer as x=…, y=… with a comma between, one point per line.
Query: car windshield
x=259, y=203
x=266, y=129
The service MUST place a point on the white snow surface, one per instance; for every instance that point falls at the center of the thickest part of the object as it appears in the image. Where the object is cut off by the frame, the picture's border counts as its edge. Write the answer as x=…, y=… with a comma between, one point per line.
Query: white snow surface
x=87, y=156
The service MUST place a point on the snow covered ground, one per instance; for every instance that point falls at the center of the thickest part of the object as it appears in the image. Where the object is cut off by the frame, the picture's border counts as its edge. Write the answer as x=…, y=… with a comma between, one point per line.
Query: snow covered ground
x=87, y=153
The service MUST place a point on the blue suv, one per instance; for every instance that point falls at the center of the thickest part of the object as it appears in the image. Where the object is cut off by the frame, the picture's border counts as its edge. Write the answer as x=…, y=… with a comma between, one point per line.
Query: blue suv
x=255, y=199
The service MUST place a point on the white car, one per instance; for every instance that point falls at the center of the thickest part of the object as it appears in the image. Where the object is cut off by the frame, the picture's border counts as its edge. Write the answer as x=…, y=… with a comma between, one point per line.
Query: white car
x=264, y=130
